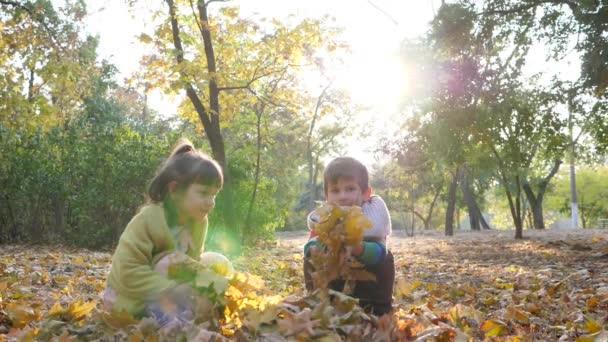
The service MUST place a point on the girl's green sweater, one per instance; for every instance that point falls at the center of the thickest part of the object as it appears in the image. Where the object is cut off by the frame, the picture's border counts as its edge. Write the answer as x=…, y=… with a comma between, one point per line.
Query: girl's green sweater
x=145, y=240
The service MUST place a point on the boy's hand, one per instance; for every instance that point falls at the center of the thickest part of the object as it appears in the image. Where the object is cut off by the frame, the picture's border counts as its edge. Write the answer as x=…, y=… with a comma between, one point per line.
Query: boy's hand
x=358, y=250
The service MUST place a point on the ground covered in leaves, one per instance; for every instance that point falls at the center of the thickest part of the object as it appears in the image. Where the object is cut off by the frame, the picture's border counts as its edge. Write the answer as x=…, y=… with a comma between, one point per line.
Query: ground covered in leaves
x=551, y=286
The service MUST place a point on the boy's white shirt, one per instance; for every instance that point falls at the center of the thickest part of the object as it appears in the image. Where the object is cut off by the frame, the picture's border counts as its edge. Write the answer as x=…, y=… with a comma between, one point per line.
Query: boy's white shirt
x=376, y=211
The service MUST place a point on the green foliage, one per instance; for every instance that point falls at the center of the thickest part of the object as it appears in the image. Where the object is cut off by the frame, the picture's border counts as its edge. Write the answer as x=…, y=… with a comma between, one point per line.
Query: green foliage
x=78, y=184
x=591, y=190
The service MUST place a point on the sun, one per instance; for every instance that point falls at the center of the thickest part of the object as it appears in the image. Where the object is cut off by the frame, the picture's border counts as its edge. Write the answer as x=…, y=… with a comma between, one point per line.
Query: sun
x=378, y=82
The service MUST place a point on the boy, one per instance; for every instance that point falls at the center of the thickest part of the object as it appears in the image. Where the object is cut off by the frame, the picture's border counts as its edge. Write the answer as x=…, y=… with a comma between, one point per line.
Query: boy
x=346, y=183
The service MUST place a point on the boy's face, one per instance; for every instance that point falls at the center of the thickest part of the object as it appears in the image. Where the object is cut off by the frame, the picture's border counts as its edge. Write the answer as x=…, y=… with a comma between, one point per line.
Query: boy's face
x=345, y=192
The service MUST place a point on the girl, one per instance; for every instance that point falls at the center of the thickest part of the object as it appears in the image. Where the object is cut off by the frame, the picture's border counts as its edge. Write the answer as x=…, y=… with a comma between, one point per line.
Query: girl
x=170, y=228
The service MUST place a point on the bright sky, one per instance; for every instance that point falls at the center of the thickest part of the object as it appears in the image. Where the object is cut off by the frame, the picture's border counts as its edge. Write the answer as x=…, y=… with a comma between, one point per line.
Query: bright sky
x=374, y=30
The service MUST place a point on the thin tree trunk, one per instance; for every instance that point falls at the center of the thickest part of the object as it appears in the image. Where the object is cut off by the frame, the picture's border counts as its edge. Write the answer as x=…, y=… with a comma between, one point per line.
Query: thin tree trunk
x=13, y=231
x=469, y=200
x=530, y=218
x=517, y=218
x=482, y=219
x=259, y=110
x=573, y=196
x=314, y=191
x=247, y=227
x=30, y=88
x=536, y=201
x=429, y=214
x=572, y=166
x=413, y=220
x=416, y=213
x=514, y=206
x=312, y=160
x=449, y=214
x=525, y=212
x=58, y=208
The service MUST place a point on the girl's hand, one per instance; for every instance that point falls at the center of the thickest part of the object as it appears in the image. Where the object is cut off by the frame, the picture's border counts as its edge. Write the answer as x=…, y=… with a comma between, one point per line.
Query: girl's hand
x=162, y=266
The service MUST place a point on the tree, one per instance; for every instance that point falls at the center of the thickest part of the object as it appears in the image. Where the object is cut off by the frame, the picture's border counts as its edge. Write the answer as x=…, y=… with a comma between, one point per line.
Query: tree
x=330, y=118
x=591, y=192
x=416, y=181
x=218, y=60
x=447, y=59
x=559, y=24
x=45, y=64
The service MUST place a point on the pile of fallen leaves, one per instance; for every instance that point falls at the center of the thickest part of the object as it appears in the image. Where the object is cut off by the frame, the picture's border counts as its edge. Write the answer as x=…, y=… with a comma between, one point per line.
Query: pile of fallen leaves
x=476, y=286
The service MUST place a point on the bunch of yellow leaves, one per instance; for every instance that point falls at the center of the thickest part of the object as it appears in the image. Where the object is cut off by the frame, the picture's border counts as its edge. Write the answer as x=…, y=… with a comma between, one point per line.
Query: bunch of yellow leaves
x=337, y=225
x=339, y=229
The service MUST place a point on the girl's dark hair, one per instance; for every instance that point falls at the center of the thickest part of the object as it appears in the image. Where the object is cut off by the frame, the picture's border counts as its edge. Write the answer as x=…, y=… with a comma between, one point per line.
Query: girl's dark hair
x=185, y=166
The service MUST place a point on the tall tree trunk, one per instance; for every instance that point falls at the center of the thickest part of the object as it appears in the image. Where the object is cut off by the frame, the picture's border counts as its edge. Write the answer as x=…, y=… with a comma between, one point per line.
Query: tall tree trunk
x=449, y=214
x=210, y=118
x=572, y=163
x=469, y=199
x=517, y=218
x=573, y=196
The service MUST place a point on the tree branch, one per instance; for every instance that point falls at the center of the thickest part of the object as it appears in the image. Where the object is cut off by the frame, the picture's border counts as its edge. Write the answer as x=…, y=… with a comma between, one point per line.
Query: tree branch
x=210, y=1
x=384, y=12
x=523, y=8
x=34, y=17
x=179, y=56
x=253, y=79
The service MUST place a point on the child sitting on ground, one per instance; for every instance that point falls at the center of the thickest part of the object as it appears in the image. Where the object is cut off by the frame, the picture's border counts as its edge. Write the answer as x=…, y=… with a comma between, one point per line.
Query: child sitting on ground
x=170, y=229
x=346, y=183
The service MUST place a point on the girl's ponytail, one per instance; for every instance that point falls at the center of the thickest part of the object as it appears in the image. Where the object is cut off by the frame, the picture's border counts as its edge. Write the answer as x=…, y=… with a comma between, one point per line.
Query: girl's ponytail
x=184, y=166
x=183, y=146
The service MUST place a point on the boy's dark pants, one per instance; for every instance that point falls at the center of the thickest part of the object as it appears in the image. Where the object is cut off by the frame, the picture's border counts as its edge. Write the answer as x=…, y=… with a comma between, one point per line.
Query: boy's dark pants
x=374, y=296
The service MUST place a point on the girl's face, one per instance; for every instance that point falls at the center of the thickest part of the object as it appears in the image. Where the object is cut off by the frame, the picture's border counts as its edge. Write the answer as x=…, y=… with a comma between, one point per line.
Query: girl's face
x=196, y=202
x=345, y=192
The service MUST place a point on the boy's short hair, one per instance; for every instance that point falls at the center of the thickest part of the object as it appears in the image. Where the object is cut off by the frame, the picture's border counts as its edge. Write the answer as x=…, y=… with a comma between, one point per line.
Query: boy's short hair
x=346, y=167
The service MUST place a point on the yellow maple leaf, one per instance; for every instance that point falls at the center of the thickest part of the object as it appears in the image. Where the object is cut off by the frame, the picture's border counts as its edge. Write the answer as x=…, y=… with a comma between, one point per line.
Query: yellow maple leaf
x=354, y=225
x=493, y=328
x=592, y=326
x=75, y=312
